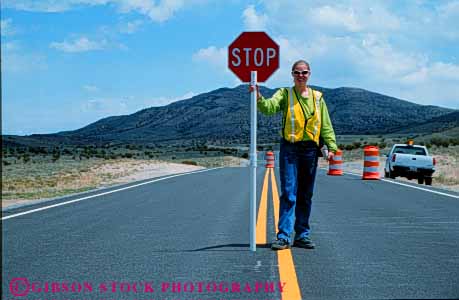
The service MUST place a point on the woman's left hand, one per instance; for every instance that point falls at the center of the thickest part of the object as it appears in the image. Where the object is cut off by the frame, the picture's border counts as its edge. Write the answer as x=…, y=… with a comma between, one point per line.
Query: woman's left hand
x=330, y=155
x=257, y=88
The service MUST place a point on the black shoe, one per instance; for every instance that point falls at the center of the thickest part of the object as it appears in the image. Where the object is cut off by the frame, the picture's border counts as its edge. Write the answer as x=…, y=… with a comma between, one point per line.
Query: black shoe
x=280, y=244
x=304, y=242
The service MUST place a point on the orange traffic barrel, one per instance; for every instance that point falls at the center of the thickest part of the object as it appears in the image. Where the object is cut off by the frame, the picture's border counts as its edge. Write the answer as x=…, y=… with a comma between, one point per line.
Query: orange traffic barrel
x=371, y=163
x=269, y=159
x=335, y=165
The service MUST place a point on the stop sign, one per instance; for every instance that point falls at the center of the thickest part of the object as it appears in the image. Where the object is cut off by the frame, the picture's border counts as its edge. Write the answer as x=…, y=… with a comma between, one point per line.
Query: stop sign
x=253, y=51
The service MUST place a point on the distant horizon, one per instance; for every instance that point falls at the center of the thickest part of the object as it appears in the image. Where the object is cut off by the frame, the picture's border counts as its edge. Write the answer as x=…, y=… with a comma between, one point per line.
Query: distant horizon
x=68, y=63
x=236, y=86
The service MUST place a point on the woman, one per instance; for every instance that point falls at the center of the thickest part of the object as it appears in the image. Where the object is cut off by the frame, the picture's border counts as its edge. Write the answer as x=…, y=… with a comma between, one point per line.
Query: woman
x=305, y=122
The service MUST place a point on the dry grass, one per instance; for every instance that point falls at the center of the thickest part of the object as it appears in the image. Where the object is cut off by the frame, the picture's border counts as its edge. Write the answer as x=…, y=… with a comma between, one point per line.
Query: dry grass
x=41, y=178
x=47, y=179
x=447, y=168
x=219, y=161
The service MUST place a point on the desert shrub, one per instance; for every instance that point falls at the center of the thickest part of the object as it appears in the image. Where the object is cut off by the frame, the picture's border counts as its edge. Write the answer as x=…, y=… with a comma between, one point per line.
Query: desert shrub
x=56, y=155
x=67, y=152
x=349, y=147
x=445, y=143
x=436, y=141
x=189, y=162
x=228, y=151
x=26, y=158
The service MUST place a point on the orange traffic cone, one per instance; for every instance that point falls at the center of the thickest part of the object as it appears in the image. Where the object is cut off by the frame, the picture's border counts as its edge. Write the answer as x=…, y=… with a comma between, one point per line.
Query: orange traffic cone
x=335, y=165
x=269, y=159
x=371, y=163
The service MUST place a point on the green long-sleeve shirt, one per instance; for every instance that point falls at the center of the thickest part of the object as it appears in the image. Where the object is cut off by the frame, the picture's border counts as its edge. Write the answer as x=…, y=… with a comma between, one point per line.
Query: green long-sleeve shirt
x=279, y=102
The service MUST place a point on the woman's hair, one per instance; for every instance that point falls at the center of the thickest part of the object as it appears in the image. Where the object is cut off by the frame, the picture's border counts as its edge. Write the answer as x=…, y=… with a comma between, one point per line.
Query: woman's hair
x=299, y=62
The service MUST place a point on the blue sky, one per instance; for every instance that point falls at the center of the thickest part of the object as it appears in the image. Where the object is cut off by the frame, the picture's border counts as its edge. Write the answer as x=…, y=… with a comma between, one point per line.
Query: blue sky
x=68, y=63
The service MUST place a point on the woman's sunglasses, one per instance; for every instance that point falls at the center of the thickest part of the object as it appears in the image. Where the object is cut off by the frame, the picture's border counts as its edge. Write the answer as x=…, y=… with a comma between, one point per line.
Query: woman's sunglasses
x=305, y=72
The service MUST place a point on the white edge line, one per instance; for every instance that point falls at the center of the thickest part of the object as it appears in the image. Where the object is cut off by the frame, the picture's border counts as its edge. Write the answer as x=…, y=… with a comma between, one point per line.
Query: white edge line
x=404, y=184
x=105, y=193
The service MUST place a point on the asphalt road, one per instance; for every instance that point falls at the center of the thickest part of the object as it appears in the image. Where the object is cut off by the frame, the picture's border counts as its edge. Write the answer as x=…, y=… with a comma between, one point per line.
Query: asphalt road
x=187, y=237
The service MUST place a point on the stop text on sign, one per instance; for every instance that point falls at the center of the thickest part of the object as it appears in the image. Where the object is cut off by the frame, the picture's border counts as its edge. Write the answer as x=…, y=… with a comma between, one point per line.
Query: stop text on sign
x=258, y=57
x=253, y=51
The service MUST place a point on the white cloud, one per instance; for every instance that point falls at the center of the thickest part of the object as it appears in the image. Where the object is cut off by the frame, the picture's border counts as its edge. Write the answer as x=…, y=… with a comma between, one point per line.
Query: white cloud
x=161, y=101
x=99, y=107
x=7, y=28
x=445, y=71
x=449, y=9
x=165, y=10
x=82, y=44
x=158, y=11
x=359, y=17
x=438, y=71
x=16, y=60
x=90, y=88
x=131, y=27
x=336, y=17
x=20, y=62
x=401, y=49
x=217, y=57
x=383, y=59
x=105, y=107
x=252, y=20
x=10, y=46
x=50, y=6
x=446, y=20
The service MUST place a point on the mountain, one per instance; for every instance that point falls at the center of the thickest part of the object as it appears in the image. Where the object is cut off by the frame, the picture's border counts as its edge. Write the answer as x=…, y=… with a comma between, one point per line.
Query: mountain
x=443, y=123
x=222, y=116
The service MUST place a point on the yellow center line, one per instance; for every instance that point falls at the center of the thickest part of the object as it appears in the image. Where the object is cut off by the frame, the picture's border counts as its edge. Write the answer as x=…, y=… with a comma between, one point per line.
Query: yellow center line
x=263, y=211
x=287, y=273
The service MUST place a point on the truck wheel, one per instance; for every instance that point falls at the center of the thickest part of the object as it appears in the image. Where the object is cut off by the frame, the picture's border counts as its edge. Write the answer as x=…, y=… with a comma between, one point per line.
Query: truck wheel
x=428, y=180
x=391, y=175
x=386, y=174
x=421, y=180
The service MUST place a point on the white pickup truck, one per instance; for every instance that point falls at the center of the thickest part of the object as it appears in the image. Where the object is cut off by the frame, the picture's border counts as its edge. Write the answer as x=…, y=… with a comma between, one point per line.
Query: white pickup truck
x=410, y=161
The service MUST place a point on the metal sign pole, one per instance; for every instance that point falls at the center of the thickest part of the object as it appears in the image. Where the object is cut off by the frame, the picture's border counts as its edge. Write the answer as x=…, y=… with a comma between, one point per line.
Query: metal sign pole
x=253, y=160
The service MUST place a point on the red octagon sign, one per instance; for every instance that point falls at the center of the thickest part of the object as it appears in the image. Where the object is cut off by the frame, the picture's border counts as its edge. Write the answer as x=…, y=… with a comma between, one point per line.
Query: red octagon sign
x=253, y=51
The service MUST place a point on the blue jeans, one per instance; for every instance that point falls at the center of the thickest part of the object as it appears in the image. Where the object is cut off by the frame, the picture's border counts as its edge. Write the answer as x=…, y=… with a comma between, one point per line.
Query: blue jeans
x=298, y=166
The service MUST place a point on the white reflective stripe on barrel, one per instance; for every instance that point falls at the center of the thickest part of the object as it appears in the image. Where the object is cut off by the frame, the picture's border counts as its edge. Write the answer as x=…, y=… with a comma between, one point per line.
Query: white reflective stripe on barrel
x=371, y=158
x=336, y=167
x=337, y=157
x=371, y=169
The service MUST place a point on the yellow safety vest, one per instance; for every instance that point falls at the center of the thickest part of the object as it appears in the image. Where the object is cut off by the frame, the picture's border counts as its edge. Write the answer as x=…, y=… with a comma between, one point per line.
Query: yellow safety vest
x=295, y=123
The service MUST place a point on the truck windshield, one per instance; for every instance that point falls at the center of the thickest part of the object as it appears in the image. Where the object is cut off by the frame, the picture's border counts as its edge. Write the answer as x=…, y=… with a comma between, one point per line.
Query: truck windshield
x=410, y=150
